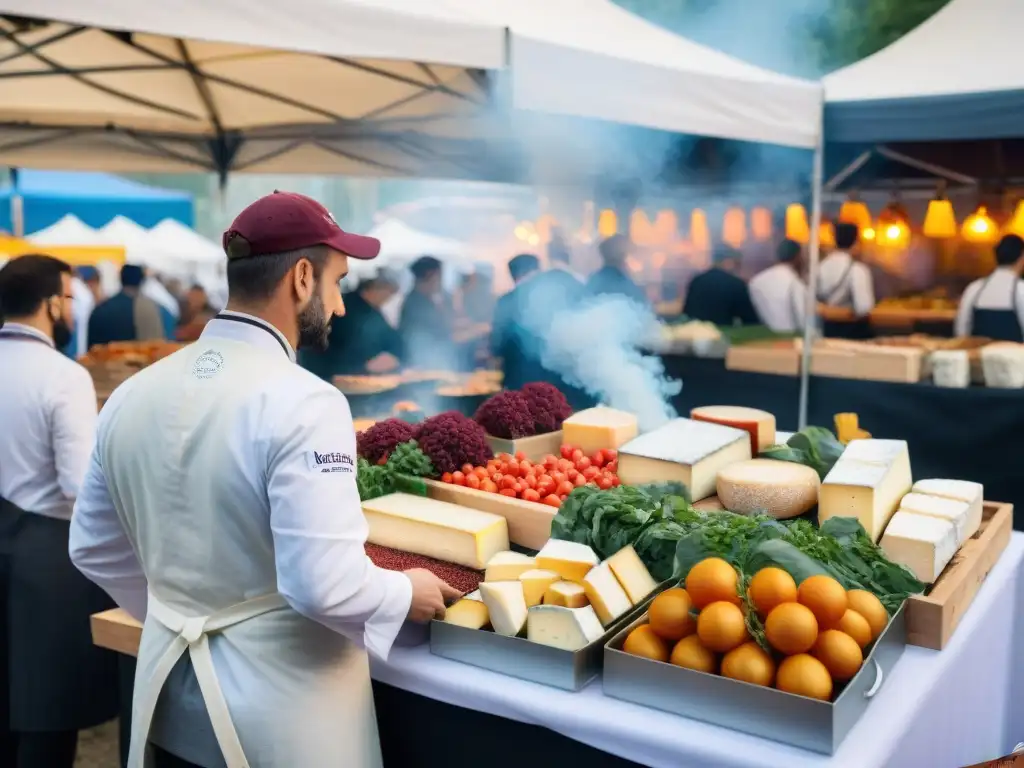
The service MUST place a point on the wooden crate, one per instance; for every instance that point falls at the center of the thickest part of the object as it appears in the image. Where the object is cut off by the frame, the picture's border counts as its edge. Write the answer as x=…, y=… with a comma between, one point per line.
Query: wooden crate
x=535, y=447
x=529, y=523
x=932, y=618
x=116, y=631
x=852, y=360
x=781, y=358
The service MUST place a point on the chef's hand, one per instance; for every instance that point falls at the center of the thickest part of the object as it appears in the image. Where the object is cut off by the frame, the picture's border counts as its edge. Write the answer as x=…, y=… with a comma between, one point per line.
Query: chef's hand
x=385, y=362
x=429, y=595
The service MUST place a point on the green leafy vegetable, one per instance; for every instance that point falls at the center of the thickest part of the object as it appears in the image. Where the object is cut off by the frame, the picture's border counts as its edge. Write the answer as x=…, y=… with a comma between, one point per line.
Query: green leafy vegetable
x=815, y=447
x=373, y=480
x=408, y=459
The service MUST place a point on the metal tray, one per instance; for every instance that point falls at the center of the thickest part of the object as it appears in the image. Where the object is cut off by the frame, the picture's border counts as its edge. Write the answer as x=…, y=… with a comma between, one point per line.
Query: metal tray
x=518, y=657
x=802, y=722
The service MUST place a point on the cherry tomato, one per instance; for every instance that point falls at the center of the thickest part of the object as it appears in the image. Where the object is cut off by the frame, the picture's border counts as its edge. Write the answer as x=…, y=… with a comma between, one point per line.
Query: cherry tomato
x=565, y=464
x=530, y=481
x=489, y=485
x=576, y=455
x=525, y=465
x=591, y=472
x=583, y=463
x=497, y=477
x=520, y=456
x=473, y=480
x=611, y=454
x=446, y=477
x=507, y=482
x=599, y=458
x=571, y=475
x=508, y=492
x=604, y=483
x=513, y=468
x=616, y=482
x=612, y=466
x=564, y=488
x=579, y=480
x=552, y=500
x=458, y=478
x=546, y=485
x=558, y=477
x=531, y=495
x=567, y=451
x=382, y=460
x=467, y=468
x=480, y=472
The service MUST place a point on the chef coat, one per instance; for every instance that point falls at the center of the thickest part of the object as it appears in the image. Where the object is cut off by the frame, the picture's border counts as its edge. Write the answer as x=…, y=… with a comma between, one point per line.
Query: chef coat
x=231, y=472
x=1002, y=292
x=780, y=297
x=845, y=282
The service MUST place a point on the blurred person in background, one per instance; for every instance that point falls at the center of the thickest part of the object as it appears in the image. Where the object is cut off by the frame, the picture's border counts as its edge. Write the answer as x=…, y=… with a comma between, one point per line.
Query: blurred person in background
x=166, y=298
x=425, y=324
x=88, y=292
x=196, y=312
x=477, y=295
x=128, y=315
x=53, y=680
x=361, y=341
x=993, y=306
x=845, y=281
x=779, y=293
x=560, y=255
x=612, y=278
x=718, y=296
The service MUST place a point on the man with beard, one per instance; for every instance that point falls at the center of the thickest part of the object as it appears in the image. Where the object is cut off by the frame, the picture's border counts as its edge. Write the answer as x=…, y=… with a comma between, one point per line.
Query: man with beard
x=221, y=506
x=53, y=680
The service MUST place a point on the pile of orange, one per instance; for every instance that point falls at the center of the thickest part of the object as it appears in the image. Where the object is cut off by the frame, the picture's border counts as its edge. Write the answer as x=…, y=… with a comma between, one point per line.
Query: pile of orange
x=817, y=631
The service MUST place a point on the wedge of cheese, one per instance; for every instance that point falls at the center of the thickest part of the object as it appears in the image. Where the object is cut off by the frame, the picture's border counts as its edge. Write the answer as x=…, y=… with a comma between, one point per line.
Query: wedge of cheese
x=435, y=529
x=959, y=490
x=471, y=614
x=683, y=451
x=567, y=594
x=632, y=574
x=506, y=606
x=955, y=511
x=474, y=595
x=868, y=483
x=535, y=584
x=780, y=488
x=923, y=544
x=592, y=429
x=760, y=425
x=569, y=559
x=606, y=594
x=508, y=566
x=569, y=629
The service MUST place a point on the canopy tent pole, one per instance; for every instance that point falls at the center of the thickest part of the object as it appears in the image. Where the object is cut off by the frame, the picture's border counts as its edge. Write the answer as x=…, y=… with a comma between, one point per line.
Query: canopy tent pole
x=814, y=248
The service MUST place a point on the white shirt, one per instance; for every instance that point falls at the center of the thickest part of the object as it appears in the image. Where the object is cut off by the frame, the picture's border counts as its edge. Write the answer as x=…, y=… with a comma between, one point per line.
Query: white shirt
x=997, y=291
x=844, y=282
x=155, y=290
x=48, y=418
x=780, y=298
x=83, y=303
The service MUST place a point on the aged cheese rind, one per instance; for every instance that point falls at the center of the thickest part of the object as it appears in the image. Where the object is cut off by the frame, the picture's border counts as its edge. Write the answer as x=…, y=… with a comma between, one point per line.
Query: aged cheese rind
x=606, y=594
x=567, y=594
x=535, y=584
x=955, y=511
x=506, y=606
x=568, y=629
x=960, y=490
x=569, y=559
x=759, y=424
x=685, y=451
x=783, y=489
x=471, y=614
x=923, y=544
x=508, y=566
x=436, y=529
x=632, y=574
x=868, y=483
x=595, y=428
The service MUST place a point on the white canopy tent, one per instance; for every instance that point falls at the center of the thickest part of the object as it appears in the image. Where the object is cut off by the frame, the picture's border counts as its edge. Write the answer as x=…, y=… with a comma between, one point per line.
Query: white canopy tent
x=68, y=230
x=953, y=77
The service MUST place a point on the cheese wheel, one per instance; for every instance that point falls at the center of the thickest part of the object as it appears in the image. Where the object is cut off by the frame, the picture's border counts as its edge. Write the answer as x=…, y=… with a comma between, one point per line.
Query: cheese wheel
x=781, y=489
x=760, y=425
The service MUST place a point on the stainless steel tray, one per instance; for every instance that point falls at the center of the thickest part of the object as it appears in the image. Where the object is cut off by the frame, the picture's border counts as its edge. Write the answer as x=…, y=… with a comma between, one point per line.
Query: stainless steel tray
x=802, y=722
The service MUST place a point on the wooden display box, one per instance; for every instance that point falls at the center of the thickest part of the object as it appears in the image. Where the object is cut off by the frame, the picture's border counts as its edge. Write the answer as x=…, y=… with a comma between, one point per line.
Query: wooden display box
x=529, y=523
x=535, y=447
x=780, y=358
x=933, y=617
x=868, y=362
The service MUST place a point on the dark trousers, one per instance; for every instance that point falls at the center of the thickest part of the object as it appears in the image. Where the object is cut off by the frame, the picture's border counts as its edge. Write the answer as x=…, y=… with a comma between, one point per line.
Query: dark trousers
x=164, y=759
x=40, y=749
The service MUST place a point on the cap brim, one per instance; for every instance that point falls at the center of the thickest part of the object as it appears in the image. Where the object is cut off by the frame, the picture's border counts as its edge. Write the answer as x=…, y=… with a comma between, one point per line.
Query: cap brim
x=355, y=246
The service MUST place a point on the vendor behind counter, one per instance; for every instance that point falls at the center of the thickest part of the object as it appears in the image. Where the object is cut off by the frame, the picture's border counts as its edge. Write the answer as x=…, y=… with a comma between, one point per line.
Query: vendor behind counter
x=993, y=306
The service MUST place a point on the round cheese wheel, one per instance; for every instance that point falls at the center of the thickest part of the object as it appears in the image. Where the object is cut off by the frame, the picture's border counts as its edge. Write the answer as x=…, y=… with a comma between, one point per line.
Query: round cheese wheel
x=781, y=489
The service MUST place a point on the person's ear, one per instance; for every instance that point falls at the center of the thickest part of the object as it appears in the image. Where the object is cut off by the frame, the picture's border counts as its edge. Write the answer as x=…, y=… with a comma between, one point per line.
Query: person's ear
x=303, y=280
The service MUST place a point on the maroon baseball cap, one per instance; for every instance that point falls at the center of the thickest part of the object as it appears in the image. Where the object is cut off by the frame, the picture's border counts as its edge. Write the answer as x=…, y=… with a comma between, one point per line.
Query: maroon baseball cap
x=286, y=221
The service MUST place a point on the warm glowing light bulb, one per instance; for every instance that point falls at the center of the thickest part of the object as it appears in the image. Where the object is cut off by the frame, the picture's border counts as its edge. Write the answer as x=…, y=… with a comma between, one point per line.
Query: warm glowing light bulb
x=893, y=231
x=868, y=233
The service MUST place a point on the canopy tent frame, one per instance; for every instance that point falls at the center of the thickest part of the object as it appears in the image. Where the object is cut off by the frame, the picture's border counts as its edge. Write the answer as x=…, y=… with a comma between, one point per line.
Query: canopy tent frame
x=899, y=157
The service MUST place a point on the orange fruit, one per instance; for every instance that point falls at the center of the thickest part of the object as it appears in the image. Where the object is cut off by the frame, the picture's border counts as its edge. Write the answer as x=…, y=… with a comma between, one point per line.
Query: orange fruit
x=712, y=580
x=871, y=608
x=689, y=653
x=642, y=641
x=804, y=675
x=791, y=628
x=839, y=653
x=771, y=587
x=721, y=627
x=750, y=664
x=669, y=615
x=857, y=627
x=825, y=597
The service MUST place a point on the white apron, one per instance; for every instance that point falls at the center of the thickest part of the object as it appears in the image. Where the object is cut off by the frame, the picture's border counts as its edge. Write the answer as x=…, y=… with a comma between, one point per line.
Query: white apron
x=281, y=691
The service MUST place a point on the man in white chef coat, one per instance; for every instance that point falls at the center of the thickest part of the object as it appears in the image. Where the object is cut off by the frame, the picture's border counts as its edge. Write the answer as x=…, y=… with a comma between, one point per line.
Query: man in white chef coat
x=844, y=280
x=222, y=491
x=53, y=680
x=993, y=306
x=779, y=294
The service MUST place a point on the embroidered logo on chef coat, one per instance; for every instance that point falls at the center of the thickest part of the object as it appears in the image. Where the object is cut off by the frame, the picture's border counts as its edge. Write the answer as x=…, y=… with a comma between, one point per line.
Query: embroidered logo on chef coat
x=208, y=364
x=330, y=462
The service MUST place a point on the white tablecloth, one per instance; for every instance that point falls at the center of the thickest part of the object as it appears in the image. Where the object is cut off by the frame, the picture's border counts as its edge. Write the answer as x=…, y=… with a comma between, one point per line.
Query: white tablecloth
x=938, y=709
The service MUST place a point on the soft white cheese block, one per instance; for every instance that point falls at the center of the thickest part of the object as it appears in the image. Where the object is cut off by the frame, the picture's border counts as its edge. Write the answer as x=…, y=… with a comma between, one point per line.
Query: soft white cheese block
x=605, y=593
x=1003, y=365
x=951, y=368
x=569, y=629
x=684, y=451
x=961, y=490
x=955, y=511
x=508, y=566
x=868, y=483
x=923, y=544
x=506, y=605
x=569, y=559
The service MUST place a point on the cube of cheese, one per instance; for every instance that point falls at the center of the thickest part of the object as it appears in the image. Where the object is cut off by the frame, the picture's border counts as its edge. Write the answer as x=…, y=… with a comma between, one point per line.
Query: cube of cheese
x=566, y=594
x=535, y=584
x=955, y=511
x=569, y=559
x=951, y=368
x=684, y=451
x=923, y=544
x=592, y=429
x=606, y=594
x=506, y=606
x=632, y=574
x=569, y=629
x=961, y=490
x=759, y=424
x=1003, y=365
x=435, y=529
x=508, y=566
x=868, y=483
x=471, y=614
